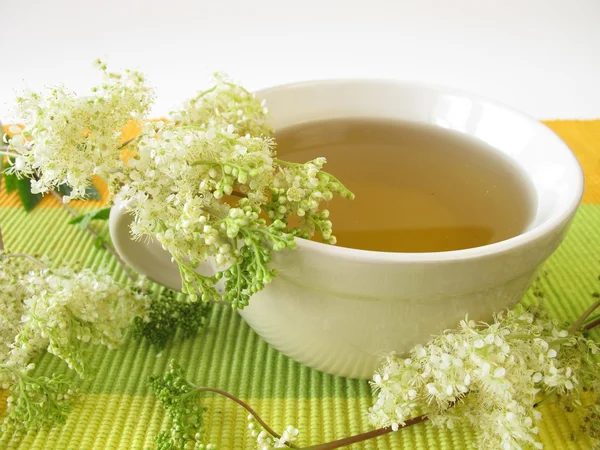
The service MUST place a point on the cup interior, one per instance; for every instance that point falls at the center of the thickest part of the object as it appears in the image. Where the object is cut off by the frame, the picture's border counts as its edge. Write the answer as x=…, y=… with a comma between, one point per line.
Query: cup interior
x=553, y=171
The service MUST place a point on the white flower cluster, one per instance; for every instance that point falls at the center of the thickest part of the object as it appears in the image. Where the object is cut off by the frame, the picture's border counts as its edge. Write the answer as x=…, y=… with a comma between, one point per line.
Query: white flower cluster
x=69, y=138
x=12, y=296
x=180, y=188
x=490, y=375
x=60, y=309
x=298, y=190
x=204, y=185
x=265, y=441
x=226, y=104
x=175, y=185
x=185, y=183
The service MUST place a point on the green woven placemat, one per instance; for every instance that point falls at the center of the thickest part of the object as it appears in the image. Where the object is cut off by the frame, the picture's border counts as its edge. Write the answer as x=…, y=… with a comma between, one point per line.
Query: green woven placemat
x=118, y=411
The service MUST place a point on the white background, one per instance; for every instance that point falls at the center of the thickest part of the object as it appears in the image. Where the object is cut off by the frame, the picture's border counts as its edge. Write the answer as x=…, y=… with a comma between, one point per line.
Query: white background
x=540, y=56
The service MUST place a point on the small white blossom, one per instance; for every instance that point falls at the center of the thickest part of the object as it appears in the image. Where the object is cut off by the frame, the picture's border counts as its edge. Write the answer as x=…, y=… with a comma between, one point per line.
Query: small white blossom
x=200, y=184
x=69, y=138
x=264, y=441
x=57, y=309
x=503, y=368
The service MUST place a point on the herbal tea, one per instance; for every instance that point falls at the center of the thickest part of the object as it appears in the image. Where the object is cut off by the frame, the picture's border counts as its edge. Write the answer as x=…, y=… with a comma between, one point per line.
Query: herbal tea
x=419, y=188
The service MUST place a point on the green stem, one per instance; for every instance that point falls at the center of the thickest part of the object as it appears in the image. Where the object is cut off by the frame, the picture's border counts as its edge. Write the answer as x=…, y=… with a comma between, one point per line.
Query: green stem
x=208, y=162
x=22, y=387
x=191, y=127
x=281, y=162
x=10, y=155
x=579, y=322
x=331, y=177
x=558, y=342
x=10, y=369
x=520, y=336
x=203, y=93
x=236, y=86
x=21, y=379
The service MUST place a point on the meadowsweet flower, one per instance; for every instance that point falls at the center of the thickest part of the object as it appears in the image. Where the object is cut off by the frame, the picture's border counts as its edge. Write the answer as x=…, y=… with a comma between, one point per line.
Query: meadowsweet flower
x=58, y=309
x=69, y=138
x=12, y=309
x=264, y=441
x=203, y=185
x=184, y=410
x=224, y=105
x=12, y=295
x=65, y=308
x=175, y=186
x=36, y=401
x=491, y=375
x=298, y=190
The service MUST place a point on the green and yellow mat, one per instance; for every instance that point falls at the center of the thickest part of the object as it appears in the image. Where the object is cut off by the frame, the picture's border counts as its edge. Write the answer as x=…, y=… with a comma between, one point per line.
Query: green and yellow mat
x=118, y=411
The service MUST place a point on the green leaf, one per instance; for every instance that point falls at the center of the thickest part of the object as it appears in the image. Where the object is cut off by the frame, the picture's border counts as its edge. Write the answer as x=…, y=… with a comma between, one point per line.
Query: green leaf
x=23, y=186
x=28, y=199
x=91, y=193
x=64, y=189
x=10, y=180
x=84, y=219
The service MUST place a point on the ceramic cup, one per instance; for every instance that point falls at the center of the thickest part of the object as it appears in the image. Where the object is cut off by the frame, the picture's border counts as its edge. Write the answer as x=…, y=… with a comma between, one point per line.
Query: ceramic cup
x=341, y=310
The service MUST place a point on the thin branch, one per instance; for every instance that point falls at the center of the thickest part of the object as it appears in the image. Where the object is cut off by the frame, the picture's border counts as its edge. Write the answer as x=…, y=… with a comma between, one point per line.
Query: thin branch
x=126, y=143
x=1, y=241
x=247, y=408
x=579, y=322
x=130, y=274
x=364, y=436
x=26, y=256
x=326, y=446
x=9, y=154
x=23, y=147
x=592, y=324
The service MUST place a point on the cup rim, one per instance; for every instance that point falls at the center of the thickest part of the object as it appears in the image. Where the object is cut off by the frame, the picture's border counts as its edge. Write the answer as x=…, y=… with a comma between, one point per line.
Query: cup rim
x=528, y=237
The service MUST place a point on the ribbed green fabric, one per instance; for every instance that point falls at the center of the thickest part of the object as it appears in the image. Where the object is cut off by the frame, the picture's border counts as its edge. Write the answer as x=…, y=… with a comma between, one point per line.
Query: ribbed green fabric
x=117, y=410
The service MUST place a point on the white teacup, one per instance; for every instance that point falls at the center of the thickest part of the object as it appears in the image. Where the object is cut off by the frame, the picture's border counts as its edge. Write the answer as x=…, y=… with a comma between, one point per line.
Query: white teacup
x=341, y=310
